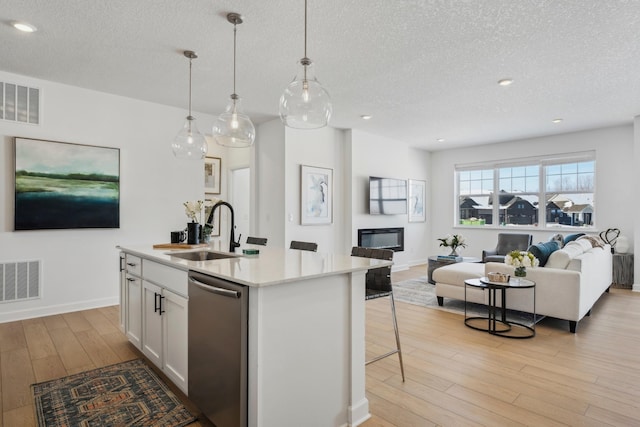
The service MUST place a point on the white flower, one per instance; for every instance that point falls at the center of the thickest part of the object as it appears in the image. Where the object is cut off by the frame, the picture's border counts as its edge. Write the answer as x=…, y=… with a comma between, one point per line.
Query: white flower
x=521, y=259
x=193, y=209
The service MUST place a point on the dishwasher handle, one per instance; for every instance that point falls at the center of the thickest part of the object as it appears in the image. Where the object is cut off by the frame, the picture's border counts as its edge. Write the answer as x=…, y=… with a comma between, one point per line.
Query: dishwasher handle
x=214, y=289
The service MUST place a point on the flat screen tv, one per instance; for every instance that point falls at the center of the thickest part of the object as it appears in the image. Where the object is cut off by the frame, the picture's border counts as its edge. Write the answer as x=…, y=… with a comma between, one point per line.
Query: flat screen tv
x=387, y=196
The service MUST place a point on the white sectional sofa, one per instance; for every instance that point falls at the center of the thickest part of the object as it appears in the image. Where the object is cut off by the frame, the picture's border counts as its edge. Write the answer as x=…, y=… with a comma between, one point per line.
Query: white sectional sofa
x=571, y=281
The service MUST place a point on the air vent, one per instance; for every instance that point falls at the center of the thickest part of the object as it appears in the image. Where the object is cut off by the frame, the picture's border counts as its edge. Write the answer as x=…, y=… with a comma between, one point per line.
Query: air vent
x=19, y=103
x=19, y=280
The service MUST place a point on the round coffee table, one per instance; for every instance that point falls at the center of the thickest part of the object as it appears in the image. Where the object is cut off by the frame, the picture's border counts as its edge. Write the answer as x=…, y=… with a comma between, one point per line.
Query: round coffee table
x=500, y=327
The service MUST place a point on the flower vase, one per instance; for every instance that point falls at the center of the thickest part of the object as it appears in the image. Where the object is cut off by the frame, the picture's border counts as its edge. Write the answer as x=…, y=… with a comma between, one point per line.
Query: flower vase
x=193, y=233
x=520, y=272
x=453, y=252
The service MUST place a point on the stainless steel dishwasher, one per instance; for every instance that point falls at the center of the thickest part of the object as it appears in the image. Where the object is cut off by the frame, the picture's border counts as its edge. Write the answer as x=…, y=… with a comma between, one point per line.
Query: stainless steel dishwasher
x=218, y=315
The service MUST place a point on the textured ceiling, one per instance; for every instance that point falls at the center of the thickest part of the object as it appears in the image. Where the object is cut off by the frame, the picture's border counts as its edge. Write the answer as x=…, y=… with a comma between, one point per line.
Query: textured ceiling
x=423, y=69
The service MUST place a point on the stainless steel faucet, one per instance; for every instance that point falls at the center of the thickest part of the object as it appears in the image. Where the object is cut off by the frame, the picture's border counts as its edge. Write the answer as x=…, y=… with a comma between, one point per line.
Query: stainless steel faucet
x=232, y=242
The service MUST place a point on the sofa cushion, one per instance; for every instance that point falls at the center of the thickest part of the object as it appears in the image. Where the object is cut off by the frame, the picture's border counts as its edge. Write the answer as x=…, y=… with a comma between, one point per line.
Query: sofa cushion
x=571, y=237
x=543, y=250
x=562, y=257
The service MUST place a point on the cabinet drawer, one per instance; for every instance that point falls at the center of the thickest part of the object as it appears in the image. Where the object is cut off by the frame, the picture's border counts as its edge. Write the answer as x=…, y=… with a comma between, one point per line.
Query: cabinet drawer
x=133, y=264
x=171, y=278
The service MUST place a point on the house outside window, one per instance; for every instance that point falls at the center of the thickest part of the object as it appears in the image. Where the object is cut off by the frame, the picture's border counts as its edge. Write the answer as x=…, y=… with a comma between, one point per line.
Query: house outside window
x=556, y=192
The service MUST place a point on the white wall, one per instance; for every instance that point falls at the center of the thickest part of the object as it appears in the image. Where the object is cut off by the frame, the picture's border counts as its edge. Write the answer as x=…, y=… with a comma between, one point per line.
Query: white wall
x=268, y=182
x=80, y=267
x=378, y=156
x=317, y=148
x=614, y=179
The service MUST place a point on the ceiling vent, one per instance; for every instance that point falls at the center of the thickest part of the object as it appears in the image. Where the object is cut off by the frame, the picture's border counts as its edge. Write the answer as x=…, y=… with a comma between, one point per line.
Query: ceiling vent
x=19, y=104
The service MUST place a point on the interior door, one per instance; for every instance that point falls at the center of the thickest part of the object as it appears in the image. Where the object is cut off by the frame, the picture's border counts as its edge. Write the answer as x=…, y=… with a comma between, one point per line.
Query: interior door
x=240, y=199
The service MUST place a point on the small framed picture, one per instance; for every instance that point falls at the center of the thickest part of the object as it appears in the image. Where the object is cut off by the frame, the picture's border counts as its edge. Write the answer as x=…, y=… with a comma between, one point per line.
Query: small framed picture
x=212, y=174
x=316, y=195
x=417, y=192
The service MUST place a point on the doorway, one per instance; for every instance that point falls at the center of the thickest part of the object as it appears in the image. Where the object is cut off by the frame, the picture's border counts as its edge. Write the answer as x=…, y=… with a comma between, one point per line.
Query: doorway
x=240, y=199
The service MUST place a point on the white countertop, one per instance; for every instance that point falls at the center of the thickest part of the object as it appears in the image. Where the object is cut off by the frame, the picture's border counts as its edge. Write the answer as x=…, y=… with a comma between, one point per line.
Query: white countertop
x=271, y=267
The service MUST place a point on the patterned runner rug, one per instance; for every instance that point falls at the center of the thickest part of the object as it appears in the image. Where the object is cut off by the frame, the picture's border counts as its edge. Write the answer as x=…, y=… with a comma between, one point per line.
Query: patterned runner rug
x=125, y=394
x=421, y=292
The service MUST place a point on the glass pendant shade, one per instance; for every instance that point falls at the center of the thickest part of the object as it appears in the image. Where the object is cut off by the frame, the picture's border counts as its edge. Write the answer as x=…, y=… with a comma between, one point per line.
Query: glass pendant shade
x=189, y=143
x=305, y=104
x=233, y=128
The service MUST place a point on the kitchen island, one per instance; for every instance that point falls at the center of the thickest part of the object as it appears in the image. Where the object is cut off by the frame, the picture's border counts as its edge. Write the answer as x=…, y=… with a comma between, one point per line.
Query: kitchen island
x=304, y=335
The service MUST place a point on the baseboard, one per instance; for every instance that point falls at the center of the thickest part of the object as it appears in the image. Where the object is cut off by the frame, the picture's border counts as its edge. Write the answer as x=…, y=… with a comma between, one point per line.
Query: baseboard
x=399, y=267
x=636, y=287
x=50, y=310
x=359, y=413
x=418, y=262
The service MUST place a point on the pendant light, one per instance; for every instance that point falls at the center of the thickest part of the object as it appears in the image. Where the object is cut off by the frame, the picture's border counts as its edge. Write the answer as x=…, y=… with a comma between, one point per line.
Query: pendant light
x=233, y=128
x=190, y=143
x=305, y=104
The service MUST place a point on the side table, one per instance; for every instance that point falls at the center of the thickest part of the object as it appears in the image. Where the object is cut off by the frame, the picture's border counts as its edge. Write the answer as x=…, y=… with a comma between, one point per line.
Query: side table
x=622, y=270
x=500, y=327
x=434, y=263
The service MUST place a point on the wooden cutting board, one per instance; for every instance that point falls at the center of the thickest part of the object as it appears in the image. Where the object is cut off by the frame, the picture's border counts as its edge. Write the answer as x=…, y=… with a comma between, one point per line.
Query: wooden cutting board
x=179, y=246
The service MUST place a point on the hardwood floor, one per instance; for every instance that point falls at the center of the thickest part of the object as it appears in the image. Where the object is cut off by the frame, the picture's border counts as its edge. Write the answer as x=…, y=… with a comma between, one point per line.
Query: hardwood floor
x=454, y=375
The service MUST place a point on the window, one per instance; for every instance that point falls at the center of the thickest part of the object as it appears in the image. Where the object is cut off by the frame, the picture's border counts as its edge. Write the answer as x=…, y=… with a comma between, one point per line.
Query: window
x=542, y=192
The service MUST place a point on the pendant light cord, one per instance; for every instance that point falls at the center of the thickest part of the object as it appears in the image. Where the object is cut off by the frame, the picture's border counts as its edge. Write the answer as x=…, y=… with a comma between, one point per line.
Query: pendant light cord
x=305, y=28
x=190, y=66
x=234, y=57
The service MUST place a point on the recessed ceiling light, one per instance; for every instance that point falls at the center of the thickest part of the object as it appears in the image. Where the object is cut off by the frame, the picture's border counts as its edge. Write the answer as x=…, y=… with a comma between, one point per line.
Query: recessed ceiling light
x=557, y=120
x=24, y=27
x=366, y=117
x=505, y=82
x=440, y=140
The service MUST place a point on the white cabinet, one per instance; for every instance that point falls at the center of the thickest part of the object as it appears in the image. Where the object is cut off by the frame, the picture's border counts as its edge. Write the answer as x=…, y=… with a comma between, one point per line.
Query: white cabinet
x=175, y=338
x=133, y=312
x=152, y=322
x=165, y=331
x=123, y=293
x=132, y=300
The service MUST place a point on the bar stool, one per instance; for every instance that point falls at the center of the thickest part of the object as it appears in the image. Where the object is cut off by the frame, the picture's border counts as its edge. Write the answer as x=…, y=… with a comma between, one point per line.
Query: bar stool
x=378, y=285
x=257, y=241
x=304, y=246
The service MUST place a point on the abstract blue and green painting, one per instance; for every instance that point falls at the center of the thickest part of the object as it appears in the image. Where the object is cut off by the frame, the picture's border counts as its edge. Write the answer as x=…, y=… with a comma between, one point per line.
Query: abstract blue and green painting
x=63, y=185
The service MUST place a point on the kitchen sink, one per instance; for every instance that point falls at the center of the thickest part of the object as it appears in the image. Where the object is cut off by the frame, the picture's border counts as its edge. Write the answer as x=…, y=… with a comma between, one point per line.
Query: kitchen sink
x=200, y=255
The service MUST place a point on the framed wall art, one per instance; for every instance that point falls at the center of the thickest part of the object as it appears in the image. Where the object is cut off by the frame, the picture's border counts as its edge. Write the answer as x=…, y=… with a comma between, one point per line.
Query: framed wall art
x=60, y=185
x=316, y=198
x=417, y=192
x=212, y=174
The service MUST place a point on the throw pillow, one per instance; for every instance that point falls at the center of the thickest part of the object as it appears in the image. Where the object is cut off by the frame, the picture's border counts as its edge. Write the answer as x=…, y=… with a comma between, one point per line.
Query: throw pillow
x=543, y=250
x=571, y=237
x=557, y=238
x=596, y=242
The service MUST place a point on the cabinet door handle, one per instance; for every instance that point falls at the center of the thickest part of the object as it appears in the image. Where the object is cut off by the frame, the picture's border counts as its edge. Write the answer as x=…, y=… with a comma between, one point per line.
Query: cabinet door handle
x=162, y=297
x=131, y=279
x=155, y=302
x=131, y=264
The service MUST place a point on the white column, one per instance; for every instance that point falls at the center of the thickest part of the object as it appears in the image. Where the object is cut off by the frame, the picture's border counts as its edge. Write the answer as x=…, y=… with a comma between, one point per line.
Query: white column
x=635, y=194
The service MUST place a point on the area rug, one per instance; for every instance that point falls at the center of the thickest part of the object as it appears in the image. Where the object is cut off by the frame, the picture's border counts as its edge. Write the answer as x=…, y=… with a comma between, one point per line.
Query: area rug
x=421, y=292
x=125, y=394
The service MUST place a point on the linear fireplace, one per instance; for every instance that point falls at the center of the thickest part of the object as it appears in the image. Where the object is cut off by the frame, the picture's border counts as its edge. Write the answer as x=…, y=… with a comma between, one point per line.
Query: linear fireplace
x=382, y=238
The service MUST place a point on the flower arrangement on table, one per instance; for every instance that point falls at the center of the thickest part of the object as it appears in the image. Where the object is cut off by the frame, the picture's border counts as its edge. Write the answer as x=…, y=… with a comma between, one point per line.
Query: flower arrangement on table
x=195, y=212
x=454, y=242
x=521, y=260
